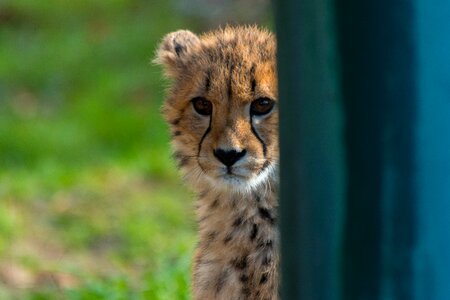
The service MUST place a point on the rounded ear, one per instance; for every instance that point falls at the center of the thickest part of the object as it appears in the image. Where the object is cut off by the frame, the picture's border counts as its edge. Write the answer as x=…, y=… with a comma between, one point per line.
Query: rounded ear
x=175, y=50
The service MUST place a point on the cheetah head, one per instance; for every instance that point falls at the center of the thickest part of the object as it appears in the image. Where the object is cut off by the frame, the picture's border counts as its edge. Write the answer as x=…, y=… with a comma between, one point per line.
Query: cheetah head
x=222, y=106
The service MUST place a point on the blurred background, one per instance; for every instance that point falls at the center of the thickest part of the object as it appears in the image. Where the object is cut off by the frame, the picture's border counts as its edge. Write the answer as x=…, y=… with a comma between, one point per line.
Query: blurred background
x=91, y=206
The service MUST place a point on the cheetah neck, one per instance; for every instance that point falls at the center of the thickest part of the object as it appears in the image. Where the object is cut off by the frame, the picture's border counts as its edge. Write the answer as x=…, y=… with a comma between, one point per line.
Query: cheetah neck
x=237, y=255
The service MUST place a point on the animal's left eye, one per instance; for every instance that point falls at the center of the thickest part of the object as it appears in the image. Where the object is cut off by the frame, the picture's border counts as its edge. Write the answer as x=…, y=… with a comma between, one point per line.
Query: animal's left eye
x=202, y=106
x=261, y=106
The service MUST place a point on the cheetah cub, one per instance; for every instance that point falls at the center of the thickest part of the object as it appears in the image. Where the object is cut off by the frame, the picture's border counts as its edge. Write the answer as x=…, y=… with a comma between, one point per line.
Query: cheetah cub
x=223, y=114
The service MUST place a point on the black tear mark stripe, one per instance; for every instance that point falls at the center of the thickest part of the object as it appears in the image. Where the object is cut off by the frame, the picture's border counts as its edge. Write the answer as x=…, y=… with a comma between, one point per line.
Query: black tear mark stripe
x=204, y=136
x=264, y=146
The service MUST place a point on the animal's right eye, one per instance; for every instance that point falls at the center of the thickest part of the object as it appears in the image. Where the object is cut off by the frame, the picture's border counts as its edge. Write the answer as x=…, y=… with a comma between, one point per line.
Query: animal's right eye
x=261, y=106
x=202, y=106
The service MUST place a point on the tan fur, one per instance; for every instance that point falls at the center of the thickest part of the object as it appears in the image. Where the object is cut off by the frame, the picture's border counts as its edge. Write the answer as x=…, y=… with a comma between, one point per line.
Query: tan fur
x=237, y=254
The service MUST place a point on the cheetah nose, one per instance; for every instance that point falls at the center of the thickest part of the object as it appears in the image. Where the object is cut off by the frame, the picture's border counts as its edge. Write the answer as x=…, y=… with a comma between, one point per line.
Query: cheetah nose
x=229, y=157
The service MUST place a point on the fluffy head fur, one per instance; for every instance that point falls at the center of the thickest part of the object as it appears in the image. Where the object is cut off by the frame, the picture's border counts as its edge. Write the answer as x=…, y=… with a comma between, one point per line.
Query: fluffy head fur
x=230, y=68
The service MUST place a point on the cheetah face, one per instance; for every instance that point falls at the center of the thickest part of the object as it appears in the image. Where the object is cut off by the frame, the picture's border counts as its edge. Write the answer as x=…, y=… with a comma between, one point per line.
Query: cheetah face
x=222, y=106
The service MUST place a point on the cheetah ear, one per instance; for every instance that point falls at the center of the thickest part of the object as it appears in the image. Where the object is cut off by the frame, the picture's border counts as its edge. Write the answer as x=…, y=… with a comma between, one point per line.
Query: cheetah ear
x=175, y=50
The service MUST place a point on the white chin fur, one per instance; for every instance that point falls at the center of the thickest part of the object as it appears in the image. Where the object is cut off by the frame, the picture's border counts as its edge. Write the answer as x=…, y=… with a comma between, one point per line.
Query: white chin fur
x=239, y=184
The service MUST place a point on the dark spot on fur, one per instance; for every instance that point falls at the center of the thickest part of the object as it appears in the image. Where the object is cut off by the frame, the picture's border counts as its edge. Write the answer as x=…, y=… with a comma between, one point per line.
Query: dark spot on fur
x=175, y=121
x=178, y=48
x=243, y=278
x=264, y=278
x=183, y=162
x=211, y=237
x=214, y=204
x=176, y=133
x=246, y=291
x=181, y=159
x=221, y=280
x=265, y=244
x=227, y=239
x=265, y=214
x=177, y=155
x=234, y=202
x=237, y=222
x=240, y=263
x=204, y=218
x=257, y=198
x=267, y=259
x=254, y=232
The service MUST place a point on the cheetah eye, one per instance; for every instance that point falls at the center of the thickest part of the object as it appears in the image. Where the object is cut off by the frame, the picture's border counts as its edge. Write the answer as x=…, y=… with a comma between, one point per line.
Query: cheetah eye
x=202, y=106
x=261, y=106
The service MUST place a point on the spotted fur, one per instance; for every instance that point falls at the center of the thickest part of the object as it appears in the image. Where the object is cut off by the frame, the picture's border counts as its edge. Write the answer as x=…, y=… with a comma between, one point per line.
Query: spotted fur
x=237, y=255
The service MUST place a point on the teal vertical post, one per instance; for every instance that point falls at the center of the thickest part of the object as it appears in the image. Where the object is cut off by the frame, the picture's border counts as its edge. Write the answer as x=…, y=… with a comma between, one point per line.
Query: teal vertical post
x=311, y=150
x=394, y=59
x=378, y=60
x=432, y=142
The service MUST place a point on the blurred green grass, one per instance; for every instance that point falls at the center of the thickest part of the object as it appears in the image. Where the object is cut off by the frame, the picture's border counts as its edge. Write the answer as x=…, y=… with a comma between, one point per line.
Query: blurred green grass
x=91, y=206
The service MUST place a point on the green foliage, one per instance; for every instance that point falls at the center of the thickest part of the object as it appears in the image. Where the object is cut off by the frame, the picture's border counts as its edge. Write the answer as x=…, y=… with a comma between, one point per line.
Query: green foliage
x=90, y=204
